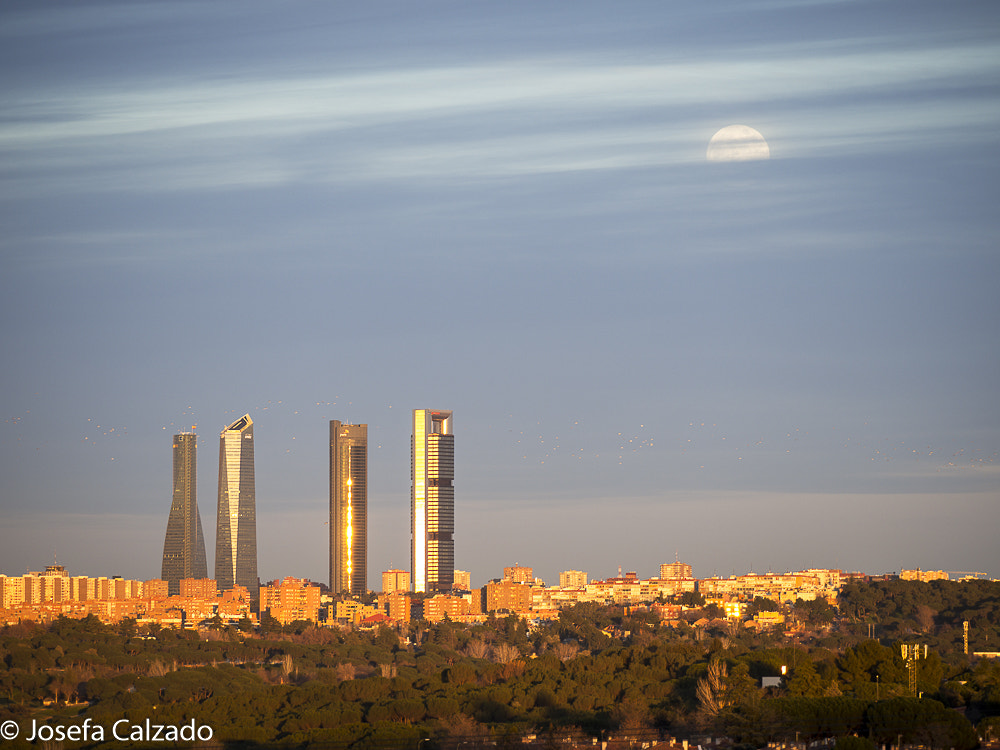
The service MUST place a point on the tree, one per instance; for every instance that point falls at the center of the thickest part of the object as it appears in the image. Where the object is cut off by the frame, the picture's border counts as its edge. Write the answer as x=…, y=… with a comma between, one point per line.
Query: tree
x=505, y=653
x=711, y=690
x=804, y=681
x=815, y=611
x=690, y=599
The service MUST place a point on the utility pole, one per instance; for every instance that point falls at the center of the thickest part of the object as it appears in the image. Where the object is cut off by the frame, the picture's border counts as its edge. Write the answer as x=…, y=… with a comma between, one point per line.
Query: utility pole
x=965, y=627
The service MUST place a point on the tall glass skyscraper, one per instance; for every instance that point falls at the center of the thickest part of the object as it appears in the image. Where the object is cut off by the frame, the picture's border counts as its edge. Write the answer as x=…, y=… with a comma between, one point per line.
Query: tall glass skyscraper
x=184, y=544
x=432, y=501
x=236, y=526
x=348, y=508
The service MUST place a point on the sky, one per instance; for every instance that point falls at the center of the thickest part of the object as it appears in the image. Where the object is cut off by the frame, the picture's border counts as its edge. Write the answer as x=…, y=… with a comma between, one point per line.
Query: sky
x=314, y=211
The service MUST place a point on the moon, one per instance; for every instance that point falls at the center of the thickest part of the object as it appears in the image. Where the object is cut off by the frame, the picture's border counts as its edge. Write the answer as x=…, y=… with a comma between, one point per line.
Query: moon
x=737, y=143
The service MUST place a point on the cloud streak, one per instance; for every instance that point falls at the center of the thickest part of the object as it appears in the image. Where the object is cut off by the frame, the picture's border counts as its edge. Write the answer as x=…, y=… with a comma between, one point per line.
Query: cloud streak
x=557, y=116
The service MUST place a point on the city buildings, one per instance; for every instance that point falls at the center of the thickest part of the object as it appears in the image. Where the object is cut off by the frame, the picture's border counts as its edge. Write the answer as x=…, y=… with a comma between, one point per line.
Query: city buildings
x=432, y=501
x=923, y=575
x=348, y=508
x=184, y=544
x=236, y=528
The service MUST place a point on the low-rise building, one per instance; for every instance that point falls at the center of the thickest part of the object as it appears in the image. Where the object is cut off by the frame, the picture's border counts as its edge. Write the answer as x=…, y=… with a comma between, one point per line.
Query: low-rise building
x=438, y=607
x=925, y=576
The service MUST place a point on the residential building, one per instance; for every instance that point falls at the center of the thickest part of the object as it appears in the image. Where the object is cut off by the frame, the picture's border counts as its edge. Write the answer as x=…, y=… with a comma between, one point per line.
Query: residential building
x=184, y=543
x=55, y=585
x=734, y=610
x=11, y=591
x=396, y=605
x=156, y=588
x=202, y=588
x=769, y=619
x=519, y=574
x=236, y=527
x=925, y=576
x=235, y=604
x=463, y=580
x=353, y=612
x=675, y=570
x=438, y=607
x=576, y=579
x=291, y=599
x=508, y=596
x=395, y=580
x=348, y=508
x=432, y=501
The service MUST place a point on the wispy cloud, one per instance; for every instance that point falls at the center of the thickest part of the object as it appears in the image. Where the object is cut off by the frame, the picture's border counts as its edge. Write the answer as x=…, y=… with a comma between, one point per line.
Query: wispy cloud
x=533, y=116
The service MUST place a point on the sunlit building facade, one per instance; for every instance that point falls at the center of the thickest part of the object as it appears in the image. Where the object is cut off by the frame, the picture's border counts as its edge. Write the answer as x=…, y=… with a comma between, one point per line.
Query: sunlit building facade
x=675, y=569
x=395, y=580
x=462, y=580
x=348, y=508
x=576, y=579
x=432, y=501
x=236, y=528
x=184, y=543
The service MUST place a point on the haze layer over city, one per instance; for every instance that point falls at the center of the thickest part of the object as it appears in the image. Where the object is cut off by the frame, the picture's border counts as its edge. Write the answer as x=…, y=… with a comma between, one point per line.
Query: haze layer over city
x=325, y=212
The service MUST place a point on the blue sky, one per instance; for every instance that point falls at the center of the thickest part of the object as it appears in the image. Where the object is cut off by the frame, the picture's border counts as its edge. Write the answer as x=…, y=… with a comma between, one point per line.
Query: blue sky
x=330, y=211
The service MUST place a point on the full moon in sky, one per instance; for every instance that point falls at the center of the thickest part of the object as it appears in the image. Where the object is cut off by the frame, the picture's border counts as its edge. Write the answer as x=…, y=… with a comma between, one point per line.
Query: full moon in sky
x=737, y=143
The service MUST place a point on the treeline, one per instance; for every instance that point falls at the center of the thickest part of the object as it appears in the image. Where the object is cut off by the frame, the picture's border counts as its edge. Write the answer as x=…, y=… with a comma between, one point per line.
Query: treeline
x=932, y=613
x=596, y=672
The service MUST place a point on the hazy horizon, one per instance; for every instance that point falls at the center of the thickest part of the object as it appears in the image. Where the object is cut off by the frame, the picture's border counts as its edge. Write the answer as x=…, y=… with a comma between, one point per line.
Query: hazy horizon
x=316, y=212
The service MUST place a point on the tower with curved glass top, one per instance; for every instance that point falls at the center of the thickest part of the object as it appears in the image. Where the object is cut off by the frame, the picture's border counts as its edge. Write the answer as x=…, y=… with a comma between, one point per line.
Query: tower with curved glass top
x=236, y=521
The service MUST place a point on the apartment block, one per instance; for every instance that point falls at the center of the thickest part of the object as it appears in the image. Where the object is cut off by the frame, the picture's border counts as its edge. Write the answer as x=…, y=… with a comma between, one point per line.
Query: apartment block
x=463, y=580
x=508, y=596
x=676, y=570
x=519, y=574
x=573, y=579
x=291, y=599
x=395, y=580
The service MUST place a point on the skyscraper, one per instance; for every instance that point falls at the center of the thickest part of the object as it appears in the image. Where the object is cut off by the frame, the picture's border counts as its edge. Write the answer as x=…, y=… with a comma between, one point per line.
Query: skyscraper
x=184, y=544
x=432, y=501
x=236, y=527
x=348, y=508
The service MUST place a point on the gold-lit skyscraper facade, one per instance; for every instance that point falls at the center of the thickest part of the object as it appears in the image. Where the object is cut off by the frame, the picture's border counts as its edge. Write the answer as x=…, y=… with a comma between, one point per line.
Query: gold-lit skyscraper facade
x=432, y=501
x=348, y=508
x=236, y=522
x=184, y=543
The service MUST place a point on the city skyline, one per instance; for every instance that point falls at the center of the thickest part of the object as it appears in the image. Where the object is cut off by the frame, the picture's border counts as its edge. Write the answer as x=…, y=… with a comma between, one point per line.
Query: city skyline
x=184, y=541
x=348, y=508
x=512, y=211
x=236, y=527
